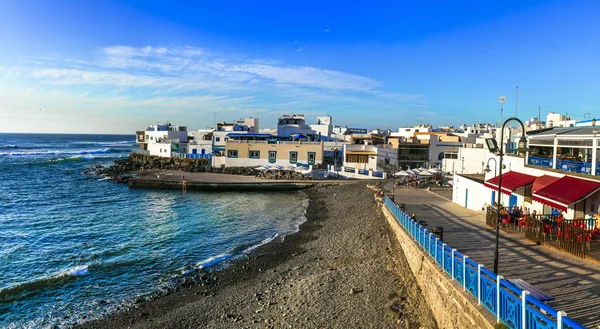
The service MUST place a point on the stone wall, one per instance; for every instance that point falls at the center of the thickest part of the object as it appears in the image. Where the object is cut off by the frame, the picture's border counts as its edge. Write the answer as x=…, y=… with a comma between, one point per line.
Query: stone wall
x=452, y=307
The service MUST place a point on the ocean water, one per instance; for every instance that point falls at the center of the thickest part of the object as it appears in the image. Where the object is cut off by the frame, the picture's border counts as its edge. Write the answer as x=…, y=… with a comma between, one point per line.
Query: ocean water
x=74, y=247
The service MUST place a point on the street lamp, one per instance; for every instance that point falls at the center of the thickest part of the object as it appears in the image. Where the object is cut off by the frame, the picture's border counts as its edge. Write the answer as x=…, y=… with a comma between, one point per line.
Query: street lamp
x=522, y=148
x=487, y=167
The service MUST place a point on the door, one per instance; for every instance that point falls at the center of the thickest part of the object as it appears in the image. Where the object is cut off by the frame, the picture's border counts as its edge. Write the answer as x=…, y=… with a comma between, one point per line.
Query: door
x=194, y=151
x=466, y=198
x=493, y=198
x=203, y=151
x=512, y=201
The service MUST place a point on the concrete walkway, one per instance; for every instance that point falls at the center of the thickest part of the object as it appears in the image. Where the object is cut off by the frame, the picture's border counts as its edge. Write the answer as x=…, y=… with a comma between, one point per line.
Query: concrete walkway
x=574, y=282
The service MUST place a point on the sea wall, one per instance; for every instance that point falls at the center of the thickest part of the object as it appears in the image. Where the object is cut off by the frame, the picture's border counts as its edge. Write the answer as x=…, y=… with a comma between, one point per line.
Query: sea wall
x=197, y=186
x=137, y=160
x=450, y=304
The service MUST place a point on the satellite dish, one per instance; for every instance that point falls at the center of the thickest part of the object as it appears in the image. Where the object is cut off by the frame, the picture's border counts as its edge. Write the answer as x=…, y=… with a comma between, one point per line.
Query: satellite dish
x=502, y=99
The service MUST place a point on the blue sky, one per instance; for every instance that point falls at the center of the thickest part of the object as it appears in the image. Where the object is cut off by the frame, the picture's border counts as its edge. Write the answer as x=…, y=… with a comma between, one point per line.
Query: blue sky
x=108, y=66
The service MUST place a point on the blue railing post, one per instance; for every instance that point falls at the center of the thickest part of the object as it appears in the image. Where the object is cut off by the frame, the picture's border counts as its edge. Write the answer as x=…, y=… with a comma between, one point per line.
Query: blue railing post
x=435, y=248
x=479, y=266
x=453, y=251
x=524, y=294
x=443, y=257
x=465, y=272
x=498, y=279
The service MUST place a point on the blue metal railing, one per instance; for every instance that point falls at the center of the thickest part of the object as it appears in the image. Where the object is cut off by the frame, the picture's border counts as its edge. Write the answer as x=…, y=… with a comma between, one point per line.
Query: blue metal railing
x=363, y=171
x=378, y=174
x=198, y=156
x=512, y=306
x=566, y=165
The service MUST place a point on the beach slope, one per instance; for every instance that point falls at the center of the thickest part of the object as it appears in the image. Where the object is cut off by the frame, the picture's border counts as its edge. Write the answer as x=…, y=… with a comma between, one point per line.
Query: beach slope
x=340, y=270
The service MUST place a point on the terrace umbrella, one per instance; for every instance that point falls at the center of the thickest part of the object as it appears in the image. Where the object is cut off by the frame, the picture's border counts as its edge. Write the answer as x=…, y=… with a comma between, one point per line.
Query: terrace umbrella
x=401, y=173
x=425, y=173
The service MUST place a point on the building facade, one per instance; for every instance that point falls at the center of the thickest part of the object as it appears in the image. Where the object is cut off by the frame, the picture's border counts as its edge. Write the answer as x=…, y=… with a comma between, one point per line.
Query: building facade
x=253, y=153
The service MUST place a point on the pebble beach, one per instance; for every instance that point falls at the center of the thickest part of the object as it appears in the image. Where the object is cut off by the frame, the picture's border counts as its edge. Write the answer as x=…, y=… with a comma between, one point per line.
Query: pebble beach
x=341, y=270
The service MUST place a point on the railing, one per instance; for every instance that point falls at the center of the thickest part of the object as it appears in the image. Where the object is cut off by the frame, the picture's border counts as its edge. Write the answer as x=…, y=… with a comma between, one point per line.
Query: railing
x=363, y=171
x=198, y=156
x=573, y=236
x=491, y=216
x=378, y=174
x=566, y=165
x=512, y=306
x=349, y=169
x=178, y=155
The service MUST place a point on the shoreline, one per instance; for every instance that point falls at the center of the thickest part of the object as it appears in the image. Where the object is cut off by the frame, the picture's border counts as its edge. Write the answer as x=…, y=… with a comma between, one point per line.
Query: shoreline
x=335, y=271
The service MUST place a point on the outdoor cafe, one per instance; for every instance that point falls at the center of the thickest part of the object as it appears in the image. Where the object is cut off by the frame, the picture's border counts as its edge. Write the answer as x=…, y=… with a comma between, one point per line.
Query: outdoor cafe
x=558, y=210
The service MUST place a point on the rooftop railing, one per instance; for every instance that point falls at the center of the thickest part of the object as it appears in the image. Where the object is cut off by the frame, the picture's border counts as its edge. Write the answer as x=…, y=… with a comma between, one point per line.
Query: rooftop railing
x=582, y=167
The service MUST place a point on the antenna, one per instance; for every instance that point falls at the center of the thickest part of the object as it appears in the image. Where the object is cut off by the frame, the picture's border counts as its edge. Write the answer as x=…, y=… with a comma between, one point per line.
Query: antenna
x=539, y=111
x=517, y=102
x=501, y=99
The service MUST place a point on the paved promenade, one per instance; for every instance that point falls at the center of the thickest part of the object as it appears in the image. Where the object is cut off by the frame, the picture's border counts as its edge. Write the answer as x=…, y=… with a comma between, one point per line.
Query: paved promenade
x=574, y=282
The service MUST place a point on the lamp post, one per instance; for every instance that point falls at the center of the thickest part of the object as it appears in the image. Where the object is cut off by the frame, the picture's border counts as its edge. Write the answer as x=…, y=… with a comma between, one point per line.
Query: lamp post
x=487, y=168
x=522, y=148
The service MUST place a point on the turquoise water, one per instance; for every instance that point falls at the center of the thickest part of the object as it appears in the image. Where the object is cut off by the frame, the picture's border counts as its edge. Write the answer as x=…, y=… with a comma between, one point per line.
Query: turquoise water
x=74, y=247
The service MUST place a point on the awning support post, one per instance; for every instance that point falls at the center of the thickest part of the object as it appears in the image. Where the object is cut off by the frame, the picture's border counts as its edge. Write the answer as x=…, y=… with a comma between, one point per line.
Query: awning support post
x=593, y=160
x=554, y=150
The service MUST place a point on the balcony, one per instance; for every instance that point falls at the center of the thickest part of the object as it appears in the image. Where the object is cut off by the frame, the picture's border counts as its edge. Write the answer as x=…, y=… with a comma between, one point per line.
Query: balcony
x=581, y=167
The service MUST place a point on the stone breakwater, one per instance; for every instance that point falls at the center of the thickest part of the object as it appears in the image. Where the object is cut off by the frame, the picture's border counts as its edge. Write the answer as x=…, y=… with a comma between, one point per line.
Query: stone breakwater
x=123, y=169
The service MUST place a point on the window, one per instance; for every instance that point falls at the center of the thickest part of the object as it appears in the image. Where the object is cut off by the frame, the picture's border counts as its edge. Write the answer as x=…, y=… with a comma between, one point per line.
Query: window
x=293, y=157
x=272, y=156
x=159, y=150
x=254, y=155
x=232, y=153
x=311, y=157
x=217, y=139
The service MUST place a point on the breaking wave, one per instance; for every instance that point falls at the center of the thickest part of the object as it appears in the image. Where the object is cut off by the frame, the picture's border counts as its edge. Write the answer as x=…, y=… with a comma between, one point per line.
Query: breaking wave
x=58, y=152
x=26, y=289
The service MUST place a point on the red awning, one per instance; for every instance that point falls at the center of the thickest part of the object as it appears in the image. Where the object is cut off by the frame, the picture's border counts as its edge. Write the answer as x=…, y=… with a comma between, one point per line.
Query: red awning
x=543, y=181
x=565, y=192
x=511, y=181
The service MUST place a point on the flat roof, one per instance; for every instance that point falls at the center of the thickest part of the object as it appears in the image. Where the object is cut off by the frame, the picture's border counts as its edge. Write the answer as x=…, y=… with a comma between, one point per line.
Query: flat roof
x=250, y=135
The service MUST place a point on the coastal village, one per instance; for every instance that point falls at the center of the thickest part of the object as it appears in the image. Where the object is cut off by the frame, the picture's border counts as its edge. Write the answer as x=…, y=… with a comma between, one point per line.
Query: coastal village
x=535, y=182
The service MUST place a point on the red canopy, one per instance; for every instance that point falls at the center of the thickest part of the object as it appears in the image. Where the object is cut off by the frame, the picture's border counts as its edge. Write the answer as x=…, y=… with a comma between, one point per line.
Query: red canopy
x=511, y=181
x=542, y=182
x=566, y=191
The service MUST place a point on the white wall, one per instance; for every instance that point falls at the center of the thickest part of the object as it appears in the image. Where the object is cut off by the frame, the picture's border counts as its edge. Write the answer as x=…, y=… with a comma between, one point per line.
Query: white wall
x=470, y=194
x=160, y=149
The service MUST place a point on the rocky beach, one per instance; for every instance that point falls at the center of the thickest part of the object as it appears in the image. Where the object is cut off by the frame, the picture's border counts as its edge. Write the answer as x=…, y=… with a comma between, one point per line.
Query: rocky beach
x=342, y=269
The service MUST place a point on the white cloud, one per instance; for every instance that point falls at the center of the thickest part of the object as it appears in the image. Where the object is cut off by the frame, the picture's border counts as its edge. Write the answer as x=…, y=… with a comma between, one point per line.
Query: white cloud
x=326, y=30
x=309, y=76
x=157, y=78
x=299, y=50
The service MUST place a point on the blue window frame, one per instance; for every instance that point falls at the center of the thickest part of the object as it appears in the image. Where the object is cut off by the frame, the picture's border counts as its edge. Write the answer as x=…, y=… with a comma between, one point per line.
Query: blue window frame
x=293, y=157
x=254, y=154
x=272, y=156
x=232, y=153
x=311, y=157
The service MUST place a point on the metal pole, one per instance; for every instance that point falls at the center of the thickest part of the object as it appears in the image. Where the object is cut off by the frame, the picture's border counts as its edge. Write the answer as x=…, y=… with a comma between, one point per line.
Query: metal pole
x=500, y=190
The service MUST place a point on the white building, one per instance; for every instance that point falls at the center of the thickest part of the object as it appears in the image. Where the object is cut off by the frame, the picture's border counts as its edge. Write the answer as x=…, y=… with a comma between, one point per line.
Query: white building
x=558, y=120
x=468, y=159
x=561, y=173
x=200, y=143
x=295, y=124
x=323, y=128
x=163, y=140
